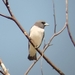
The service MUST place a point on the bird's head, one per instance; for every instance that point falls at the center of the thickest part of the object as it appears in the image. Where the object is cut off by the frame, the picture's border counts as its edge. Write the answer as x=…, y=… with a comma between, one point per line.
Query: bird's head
x=41, y=24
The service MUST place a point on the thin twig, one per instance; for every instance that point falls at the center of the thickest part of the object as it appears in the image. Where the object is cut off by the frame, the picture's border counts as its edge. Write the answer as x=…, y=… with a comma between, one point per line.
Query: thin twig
x=42, y=58
x=72, y=40
x=41, y=66
x=6, y=16
x=68, y=29
x=54, y=16
x=7, y=6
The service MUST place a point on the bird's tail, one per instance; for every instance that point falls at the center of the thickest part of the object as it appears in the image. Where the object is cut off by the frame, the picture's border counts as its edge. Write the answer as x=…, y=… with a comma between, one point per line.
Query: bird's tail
x=32, y=57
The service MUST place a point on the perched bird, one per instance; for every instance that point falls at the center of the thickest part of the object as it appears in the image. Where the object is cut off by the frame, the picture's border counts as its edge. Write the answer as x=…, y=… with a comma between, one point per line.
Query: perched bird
x=36, y=34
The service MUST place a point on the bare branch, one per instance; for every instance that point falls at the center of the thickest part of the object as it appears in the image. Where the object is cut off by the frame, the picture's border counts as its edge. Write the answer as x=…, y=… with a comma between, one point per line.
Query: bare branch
x=7, y=6
x=54, y=16
x=68, y=29
x=2, y=72
x=6, y=16
x=70, y=35
x=42, y=65
x=4, y=68
x=5, y=2
x=42, y=58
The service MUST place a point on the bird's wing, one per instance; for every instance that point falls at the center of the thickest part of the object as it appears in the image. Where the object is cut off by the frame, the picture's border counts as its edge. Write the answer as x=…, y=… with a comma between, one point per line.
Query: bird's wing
x=42, y=39
x=28, y=43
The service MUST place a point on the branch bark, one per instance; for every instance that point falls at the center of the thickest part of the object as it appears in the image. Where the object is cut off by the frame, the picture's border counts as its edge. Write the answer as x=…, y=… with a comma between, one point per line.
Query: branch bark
x=2, y=72
x=68, y=29
x=5, y=71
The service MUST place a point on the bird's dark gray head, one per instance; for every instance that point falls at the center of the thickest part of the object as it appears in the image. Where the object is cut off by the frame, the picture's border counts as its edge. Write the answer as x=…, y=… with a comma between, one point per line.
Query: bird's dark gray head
x=41, y=24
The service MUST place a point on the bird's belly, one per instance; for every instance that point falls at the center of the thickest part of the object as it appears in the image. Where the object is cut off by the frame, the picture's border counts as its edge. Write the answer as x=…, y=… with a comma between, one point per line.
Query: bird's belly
x=37, y=38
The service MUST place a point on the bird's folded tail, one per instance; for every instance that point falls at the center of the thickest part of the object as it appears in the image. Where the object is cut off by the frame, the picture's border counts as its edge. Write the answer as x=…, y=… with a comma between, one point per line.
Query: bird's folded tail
x=32, y=57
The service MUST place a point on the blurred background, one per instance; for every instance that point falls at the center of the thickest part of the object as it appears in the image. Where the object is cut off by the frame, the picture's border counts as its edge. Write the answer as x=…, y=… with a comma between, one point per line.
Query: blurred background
x=14, y=45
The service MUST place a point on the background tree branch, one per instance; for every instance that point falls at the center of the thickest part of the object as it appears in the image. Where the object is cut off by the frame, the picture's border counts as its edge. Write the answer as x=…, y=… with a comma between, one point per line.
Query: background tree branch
x=5, y=71
x=68, y=29
x=54, y=16
x=2, y=72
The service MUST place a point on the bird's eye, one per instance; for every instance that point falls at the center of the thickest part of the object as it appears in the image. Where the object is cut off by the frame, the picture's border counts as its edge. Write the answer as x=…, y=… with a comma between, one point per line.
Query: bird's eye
x=43, y=22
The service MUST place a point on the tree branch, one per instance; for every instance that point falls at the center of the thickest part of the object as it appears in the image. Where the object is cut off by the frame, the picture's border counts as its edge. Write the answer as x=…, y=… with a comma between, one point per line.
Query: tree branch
x=68, y=29
x=54, y=16
x=6, y=16
x=7, y=6
x=2, y=72
x=4, y=68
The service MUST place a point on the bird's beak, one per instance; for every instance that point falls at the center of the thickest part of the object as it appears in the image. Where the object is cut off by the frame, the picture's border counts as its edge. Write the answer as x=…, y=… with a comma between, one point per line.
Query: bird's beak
x=46, y=24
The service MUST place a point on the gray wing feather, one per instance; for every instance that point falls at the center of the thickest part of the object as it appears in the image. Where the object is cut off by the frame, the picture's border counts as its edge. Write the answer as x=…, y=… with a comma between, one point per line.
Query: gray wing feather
x=28, y=43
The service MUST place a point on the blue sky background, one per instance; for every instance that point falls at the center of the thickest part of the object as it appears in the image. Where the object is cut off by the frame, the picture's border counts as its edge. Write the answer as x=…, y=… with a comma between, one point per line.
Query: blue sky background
x=14, y=45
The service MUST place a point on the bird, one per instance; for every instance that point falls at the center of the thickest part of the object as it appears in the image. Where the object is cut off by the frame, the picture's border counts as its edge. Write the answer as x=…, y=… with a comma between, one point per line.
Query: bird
x=37, y=34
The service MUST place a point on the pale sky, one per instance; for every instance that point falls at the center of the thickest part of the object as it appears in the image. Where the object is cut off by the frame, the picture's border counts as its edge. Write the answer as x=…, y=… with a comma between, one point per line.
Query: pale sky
x=14, y=45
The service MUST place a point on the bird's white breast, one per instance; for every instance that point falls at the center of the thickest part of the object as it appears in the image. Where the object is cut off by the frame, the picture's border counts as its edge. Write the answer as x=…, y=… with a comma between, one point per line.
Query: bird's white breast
x=36, y=35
